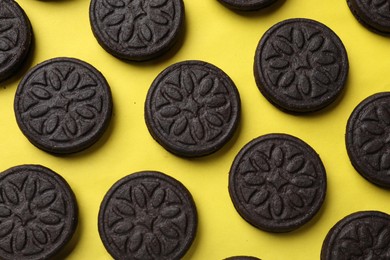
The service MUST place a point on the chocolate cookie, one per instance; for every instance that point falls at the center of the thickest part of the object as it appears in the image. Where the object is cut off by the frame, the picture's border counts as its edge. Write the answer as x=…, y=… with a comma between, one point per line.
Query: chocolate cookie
x=247, y=5
x=147, y=215
x=63, y=105
x=192, y=108
x=361, y=235
x=277, y=183
x=38, y=213
x=137, y=30
x=15, y=37
x=374, y=15
x=300, y=65
x=367, y=133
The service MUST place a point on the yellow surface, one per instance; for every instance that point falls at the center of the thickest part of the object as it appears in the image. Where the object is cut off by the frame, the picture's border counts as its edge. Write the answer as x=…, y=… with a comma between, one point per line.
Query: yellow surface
x=228, y=40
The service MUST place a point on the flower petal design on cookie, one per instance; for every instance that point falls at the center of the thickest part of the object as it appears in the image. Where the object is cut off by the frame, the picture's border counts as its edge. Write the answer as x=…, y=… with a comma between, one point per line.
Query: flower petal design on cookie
x=367, y=138
x=147, y=215
x=63, y=105
x=374, y=14
x=38, y=213
x=363, y=235
x=192, y=108
x=277, y=183
x=300, y=65
x=136, y=29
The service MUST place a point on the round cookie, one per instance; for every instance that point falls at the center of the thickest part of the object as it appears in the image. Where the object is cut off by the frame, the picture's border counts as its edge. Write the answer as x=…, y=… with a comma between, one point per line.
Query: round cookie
x=361, y=235
x=15, y=38
x=367, y=133
x=192, y=108
x=38, y=213
x=374, y=15
x=300, y=65
x=147, y=215
x=247, y=5
x=63, y=105
x=137, y=30
x=277, y=183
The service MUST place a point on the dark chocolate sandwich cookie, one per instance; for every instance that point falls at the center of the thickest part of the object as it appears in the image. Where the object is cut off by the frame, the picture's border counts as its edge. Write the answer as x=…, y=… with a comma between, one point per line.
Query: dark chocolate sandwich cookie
x=38, y=213
x=147, y=215
x=247, y=5
x=137, y=30
x=375, y=15
x=277, y=183
x=367, y=138
x=15, y=37
x=361, y=235
x=192, y=108
x=63, y=105
x=300, y=65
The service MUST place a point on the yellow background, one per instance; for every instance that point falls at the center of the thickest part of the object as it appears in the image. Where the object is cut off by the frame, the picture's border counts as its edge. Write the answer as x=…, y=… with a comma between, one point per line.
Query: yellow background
x=228, y=40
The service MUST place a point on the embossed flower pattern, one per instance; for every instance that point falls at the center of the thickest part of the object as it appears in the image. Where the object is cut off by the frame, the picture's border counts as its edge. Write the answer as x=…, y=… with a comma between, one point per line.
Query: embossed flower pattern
x=372, y=136
x=136, y=23
x=31, y=215
x=379, y=6
x=364, y=241
x=278, y=183
x=301, y=62
x=8, y=34
x=147, y=221
x=196, y=105
x=62, y=104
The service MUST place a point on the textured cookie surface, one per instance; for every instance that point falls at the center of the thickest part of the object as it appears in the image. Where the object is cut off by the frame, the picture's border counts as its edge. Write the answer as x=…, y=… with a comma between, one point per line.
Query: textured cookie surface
x=137, y=29
x=38, y=213
x=277, y=183
x=147, y=215
x=192, y=108
x=247, y=5
x=361, y=235
x=300, y=65
x=367, y=134
x=63, y=105
x=374, y=14
x=15, y=37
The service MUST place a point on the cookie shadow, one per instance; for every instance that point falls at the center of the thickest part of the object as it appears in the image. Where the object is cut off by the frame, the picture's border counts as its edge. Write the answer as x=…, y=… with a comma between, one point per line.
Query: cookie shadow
x=66, y=251
x=307, y=227
x=257, y=13
x=332, y=106
x=195, y=244
x=322, y=111
x=222, y=151
x=99, y=143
